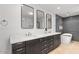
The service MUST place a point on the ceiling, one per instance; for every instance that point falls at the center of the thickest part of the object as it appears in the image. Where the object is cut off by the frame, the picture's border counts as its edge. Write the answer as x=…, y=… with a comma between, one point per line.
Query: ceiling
x=64, y=10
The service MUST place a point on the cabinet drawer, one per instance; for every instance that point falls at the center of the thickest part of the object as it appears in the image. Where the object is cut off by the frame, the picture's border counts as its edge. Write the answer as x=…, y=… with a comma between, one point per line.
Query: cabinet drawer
x=52, y=39
x=44, y=46
x=57, y=36
x=19, y=51
x=43, y=39
x=51, y=47
x=51, y=43
x=18, y=45
x=44, y=51
x=44, y=42
x=47, y=42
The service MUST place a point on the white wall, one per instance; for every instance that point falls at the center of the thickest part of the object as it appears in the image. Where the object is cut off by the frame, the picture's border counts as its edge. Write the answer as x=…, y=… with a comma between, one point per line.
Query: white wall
x=12, y=13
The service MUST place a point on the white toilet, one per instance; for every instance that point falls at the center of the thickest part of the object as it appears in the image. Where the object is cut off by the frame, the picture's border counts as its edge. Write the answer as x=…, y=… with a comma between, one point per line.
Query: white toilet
x=66, y=38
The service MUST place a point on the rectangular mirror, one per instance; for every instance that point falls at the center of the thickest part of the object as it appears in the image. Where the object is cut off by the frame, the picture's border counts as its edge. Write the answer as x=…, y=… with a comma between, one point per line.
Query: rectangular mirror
x=40, y=23
x=48, y=21
x=27, y=17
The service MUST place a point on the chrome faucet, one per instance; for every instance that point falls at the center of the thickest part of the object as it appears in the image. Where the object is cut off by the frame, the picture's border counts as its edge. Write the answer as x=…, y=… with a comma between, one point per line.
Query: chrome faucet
x=28, y=34
x=45, y=30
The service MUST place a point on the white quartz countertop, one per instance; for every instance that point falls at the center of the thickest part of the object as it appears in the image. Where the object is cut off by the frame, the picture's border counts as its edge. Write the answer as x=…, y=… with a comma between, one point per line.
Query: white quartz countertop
x=23, y=37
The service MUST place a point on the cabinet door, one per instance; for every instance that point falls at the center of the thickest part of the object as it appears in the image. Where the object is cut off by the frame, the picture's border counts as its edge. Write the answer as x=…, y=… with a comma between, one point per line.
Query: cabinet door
x=33, y=47
x=57, y=41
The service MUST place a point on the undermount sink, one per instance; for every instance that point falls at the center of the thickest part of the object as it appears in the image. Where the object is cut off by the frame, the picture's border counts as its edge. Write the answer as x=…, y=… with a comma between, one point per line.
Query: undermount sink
x=30, y=35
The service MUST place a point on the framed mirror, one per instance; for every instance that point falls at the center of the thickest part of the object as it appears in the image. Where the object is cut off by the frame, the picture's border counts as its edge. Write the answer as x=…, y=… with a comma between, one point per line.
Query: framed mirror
x=48, y=21
x=27, y=17
x=40, y=16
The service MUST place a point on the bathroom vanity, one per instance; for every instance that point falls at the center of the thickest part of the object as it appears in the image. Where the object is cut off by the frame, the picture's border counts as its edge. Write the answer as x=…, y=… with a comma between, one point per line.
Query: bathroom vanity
x=42, y=44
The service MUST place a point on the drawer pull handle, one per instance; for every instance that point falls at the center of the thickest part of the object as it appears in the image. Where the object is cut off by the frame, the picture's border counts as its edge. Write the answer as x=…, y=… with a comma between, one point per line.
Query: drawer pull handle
x=19, y=49
x=41, y=39
x=51, y=42
x=51, y=39
x=45, y=45
x=45, y=49
x=45, y=41
x=51, y=46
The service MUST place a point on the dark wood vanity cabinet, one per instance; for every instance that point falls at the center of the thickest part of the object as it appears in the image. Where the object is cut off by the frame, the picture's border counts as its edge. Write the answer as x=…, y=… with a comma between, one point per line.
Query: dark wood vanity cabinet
x=37, y=46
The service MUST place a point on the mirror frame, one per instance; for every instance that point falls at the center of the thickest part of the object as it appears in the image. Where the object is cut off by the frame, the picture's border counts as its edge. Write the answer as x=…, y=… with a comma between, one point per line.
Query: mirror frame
x=47, y=20
x=21, y=16
x=37, y=18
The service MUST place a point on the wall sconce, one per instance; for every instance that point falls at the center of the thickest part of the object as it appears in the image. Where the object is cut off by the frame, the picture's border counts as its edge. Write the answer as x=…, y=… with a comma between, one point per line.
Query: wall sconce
x=4, y=22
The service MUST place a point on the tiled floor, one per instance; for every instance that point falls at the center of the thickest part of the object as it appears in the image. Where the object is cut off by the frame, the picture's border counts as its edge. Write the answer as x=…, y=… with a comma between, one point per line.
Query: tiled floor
x=72, y=48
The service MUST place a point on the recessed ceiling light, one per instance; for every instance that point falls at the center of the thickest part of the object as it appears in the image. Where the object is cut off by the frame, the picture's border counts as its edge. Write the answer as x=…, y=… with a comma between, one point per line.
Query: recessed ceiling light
x=58, y=7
